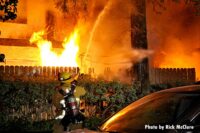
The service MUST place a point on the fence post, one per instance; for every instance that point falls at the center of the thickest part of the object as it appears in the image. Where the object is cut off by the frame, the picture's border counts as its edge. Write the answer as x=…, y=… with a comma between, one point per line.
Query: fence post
x=54, y=75
x=39, y=70
x=66, y=69
x=70, y=69
x=17, y=72
x=152, y=75
x=1, y=72
x=191, y=75
x=49, y=71
x=57, y=70
x=156, y=76
x=171, y=75
x=168, y=75
x=184, y=75
x=26, y=72
x=44, y=72
x=159, y=75
x=62, y=69
x=7, y=71
x=165, y=76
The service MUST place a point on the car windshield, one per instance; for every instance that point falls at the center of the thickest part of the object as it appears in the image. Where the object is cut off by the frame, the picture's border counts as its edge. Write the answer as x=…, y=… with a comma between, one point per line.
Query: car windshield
x=155, y=109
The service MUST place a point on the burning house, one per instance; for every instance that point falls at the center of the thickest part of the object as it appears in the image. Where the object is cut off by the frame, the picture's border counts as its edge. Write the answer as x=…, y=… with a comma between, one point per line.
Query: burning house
x=94, y=35
x=16, y=35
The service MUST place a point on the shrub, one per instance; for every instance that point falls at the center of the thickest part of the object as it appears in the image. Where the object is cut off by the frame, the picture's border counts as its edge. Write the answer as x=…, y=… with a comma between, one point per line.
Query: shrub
x=106, y=98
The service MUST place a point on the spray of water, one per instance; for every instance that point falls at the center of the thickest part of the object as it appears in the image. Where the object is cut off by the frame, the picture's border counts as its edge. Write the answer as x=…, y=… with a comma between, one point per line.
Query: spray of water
x=97, y=22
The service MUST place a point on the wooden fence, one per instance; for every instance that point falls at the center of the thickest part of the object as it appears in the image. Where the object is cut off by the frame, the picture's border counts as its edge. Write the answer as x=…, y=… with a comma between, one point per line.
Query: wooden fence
x=43, y=111
x=157, y=75
x=33, y=72
x=172, y=75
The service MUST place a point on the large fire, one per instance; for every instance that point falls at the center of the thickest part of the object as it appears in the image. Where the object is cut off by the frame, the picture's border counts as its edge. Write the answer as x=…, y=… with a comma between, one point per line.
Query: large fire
x=68, y=57
x=179, y=54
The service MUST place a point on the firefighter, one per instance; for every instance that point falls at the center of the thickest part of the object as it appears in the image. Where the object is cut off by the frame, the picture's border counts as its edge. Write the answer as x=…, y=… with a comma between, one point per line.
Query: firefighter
x=65, y=101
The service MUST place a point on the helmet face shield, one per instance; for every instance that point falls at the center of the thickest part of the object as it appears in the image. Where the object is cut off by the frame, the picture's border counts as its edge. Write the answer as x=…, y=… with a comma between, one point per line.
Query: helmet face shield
x=60, y=79
x=64, y=76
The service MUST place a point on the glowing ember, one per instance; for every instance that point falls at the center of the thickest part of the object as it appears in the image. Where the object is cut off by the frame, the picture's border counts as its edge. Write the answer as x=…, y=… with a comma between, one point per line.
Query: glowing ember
x=69, y=56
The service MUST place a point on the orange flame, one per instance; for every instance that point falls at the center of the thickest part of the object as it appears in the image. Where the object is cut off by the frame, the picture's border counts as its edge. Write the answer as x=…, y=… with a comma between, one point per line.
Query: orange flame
x=69, y=56
x=178, y=55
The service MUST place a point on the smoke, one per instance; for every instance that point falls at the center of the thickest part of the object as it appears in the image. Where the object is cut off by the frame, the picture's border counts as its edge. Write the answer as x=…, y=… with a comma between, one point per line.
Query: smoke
x=110, y=45
x=174, y=36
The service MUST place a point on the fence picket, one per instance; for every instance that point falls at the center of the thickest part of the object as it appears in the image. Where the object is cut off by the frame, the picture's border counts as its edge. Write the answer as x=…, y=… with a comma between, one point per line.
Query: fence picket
x=172, y=75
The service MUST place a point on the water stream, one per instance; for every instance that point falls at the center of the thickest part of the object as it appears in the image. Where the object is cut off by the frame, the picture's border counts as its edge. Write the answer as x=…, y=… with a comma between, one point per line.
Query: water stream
x=97, y=22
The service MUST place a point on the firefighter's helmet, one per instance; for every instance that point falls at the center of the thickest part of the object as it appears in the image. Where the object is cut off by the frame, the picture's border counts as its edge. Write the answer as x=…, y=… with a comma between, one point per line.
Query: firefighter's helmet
x=65, y=77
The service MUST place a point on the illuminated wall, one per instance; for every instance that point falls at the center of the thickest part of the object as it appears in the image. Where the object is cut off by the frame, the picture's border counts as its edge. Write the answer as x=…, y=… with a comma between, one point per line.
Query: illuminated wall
x=31, y=17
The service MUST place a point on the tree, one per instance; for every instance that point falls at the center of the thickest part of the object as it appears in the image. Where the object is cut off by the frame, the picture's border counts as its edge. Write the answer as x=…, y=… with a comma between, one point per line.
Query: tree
x=159, y=5
x=139, y=41
x=8, y=9
x=72, y=7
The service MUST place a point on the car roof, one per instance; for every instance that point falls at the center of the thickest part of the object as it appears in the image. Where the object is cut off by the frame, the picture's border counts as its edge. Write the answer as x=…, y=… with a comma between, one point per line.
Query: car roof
x=182, y=89
x=190, y=89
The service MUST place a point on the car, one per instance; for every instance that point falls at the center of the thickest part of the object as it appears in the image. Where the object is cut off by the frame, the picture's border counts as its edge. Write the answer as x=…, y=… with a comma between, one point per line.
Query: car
x=174, y=110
